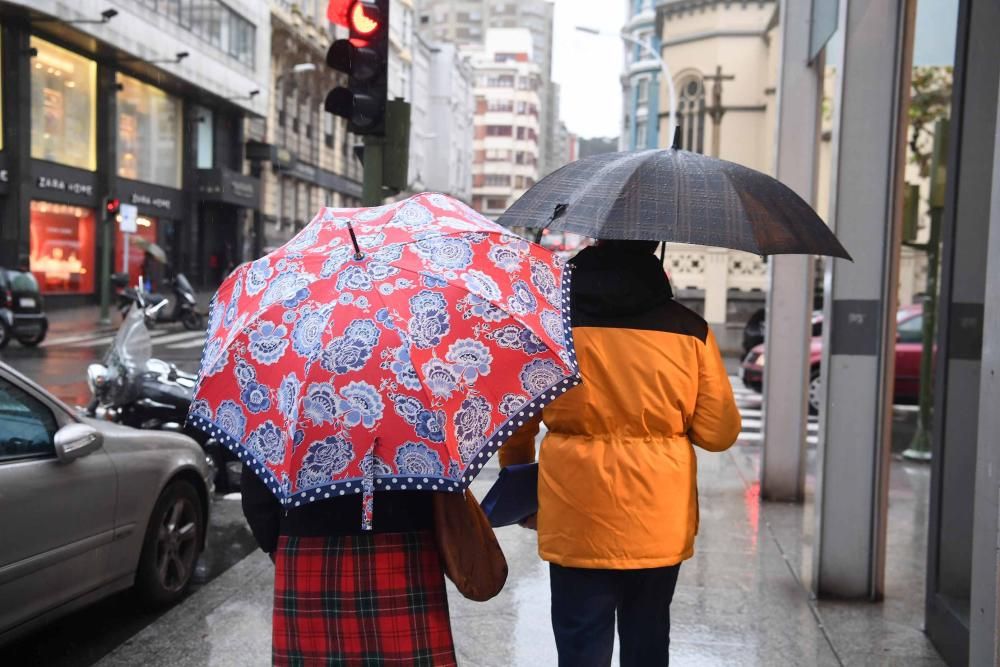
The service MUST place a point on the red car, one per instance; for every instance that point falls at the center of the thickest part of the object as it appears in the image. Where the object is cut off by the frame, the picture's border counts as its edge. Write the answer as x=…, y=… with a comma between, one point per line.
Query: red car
x=909, y=346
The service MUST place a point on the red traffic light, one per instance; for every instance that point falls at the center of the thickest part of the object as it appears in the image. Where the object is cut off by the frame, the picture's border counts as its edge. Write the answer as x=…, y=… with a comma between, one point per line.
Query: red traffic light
x=364, y=19
x=112, y=205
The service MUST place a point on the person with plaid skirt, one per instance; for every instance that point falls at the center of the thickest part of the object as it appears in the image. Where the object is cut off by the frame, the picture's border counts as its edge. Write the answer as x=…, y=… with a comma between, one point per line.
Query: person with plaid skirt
x=343, y=596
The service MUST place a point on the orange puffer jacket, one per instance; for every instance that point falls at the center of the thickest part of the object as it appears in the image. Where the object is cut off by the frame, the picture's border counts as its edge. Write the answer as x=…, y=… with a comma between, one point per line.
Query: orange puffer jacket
x=617, y=471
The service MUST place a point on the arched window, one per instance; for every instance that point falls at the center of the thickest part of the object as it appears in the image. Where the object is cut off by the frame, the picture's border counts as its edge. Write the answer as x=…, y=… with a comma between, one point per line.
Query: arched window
x=691, y=114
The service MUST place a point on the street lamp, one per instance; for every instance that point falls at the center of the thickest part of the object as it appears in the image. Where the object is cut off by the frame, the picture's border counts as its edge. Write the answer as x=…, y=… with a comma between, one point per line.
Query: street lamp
x=296, y=69
x=671, y=91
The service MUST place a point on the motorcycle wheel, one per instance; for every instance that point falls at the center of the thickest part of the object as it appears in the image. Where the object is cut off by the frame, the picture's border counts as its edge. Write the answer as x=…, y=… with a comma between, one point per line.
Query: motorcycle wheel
x=192, y=321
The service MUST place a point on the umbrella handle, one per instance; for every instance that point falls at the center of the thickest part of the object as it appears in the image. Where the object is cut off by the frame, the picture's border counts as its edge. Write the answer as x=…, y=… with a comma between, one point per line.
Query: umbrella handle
x=368, y=487
x=358, y=255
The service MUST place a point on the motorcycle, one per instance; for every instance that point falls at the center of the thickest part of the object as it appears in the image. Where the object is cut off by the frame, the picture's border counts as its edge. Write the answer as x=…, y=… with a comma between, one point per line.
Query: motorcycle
x=154, y=306
x=133, y=388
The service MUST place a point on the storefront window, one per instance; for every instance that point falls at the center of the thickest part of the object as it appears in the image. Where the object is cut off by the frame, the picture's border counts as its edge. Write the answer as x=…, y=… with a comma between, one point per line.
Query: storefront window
x=149, y=134
x=62, y=248
x=63, y=106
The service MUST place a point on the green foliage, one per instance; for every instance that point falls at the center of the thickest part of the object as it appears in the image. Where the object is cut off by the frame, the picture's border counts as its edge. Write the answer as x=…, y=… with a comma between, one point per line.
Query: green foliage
x=930, y=100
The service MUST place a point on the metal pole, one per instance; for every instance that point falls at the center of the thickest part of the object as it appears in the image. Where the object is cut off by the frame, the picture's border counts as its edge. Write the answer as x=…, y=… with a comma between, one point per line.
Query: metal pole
x=125, y=240
x=372, y=183
x=106, y=270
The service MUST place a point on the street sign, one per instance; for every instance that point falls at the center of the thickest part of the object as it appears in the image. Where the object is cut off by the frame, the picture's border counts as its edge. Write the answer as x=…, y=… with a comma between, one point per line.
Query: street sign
x=127, y=216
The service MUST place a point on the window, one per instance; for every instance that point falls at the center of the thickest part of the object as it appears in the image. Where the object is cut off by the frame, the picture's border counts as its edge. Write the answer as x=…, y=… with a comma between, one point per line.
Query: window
x=500, y=105
x=204, y=131
x=149, y=133
x=499, y=130
x=911, y=330
x=62, y=248
x=27, y=426
x=494, y=203
x=642, y=91
x=497, y=155
x=214, y=22
x=497, y=180
x=691, y=114
x=640, y=134
x=63, y=106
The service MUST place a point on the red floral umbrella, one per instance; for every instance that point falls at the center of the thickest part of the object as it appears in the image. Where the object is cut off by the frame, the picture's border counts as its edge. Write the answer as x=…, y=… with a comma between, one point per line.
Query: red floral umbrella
x=384, y=348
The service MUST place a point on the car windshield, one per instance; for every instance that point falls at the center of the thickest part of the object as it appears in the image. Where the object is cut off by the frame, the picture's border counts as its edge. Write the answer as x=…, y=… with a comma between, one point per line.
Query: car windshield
x=132, y=346
x=22, y=282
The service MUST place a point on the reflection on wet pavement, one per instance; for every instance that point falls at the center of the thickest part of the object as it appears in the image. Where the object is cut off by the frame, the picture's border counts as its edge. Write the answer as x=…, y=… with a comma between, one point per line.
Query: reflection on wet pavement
x=740, y=601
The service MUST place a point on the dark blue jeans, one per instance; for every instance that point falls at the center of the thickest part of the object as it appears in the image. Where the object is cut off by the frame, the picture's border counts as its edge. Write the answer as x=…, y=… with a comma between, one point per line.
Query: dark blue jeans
x=584, y=605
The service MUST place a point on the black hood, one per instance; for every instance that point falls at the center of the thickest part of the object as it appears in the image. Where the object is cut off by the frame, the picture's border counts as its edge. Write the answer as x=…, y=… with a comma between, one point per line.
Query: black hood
x=607, y=282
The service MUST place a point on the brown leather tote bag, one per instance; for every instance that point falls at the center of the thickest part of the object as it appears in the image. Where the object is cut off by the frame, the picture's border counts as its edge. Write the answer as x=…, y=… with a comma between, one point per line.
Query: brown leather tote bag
x=470, y=553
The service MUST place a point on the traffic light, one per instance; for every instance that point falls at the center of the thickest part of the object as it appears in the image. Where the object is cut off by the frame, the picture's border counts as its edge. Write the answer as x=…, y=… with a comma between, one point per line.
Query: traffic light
x=364, y=58
x=112, y=206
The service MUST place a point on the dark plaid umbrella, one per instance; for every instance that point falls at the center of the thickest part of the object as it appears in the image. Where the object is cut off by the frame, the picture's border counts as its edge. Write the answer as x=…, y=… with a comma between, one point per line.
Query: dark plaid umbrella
x=676, y=196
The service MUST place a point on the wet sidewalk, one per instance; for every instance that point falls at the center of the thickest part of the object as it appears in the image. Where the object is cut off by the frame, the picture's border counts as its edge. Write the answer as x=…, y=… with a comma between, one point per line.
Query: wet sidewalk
x=740, y=601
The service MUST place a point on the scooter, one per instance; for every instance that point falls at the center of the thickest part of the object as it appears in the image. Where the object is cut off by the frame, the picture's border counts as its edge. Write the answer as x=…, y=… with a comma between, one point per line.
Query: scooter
x=184, y=308
x=133, y=388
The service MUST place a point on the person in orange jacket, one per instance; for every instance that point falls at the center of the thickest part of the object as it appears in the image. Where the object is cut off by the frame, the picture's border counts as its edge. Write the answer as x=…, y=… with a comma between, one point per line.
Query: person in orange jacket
x=617, y=489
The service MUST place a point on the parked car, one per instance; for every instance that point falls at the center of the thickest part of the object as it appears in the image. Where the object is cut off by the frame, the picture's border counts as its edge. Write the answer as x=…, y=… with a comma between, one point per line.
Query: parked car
x=21, y=309
x=756, y=328
x=909, y=347
x=90, y=508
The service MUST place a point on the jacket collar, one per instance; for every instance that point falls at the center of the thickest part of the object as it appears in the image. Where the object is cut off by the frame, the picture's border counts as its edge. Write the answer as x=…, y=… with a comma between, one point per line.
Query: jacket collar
x=609, y=283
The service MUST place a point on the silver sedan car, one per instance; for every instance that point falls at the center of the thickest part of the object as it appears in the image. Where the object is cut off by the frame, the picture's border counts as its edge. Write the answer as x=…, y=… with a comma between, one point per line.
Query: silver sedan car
x=88, y=508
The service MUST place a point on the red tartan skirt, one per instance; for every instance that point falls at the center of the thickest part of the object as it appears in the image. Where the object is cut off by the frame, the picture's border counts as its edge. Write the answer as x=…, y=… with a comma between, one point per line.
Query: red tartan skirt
x=375, y=599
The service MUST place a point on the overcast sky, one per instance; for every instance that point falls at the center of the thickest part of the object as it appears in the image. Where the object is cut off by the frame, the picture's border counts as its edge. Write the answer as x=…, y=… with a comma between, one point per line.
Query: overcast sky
x=588, y=66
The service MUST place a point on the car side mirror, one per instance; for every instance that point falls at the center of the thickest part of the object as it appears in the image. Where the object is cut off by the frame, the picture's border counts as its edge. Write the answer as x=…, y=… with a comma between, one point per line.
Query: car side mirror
x=76, y=440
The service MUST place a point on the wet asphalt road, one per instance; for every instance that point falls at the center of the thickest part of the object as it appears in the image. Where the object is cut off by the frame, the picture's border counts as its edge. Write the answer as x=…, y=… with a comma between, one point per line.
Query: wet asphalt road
x=84, y=637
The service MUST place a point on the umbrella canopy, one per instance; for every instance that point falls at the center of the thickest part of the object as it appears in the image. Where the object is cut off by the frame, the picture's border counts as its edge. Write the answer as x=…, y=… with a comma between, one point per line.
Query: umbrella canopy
x=385, y=348
x=154, y=249
x=676, y=196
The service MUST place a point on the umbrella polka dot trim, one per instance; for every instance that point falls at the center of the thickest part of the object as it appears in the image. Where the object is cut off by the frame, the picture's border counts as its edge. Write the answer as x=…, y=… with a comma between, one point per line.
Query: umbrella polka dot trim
x=405, y=482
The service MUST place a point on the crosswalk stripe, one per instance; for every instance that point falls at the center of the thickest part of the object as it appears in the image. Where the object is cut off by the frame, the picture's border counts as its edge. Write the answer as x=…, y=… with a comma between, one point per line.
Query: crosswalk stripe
x=197, y=342
x=63, y=340
x=179, y=337
x=92, y=339
x=159, y=336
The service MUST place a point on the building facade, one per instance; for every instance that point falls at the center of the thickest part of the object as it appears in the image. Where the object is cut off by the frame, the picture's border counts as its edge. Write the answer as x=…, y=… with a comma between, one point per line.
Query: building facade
x=304, y=155
x=640, y=79
x=723, y=58
x=466, y=22
x=442, y=121
x=506, y=145
x=145, y=104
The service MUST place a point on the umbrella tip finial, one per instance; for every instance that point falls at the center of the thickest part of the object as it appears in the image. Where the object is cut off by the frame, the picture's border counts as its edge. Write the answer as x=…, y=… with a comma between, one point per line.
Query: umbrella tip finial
x=677, y=139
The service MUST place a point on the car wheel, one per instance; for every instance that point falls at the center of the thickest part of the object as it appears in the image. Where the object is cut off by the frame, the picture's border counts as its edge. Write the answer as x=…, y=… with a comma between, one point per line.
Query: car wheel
x=815, y=391
x=4, y=334
x=192, y=321
x=34, y=340
x=170, y=549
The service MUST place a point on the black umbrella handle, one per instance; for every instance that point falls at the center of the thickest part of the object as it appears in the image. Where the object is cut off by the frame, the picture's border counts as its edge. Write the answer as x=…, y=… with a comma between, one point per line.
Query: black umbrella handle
x=358, y=255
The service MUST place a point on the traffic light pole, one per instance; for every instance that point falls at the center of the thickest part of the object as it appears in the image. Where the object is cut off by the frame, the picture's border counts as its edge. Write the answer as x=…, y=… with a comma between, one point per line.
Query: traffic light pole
x=105, y=273
x=371, y=194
